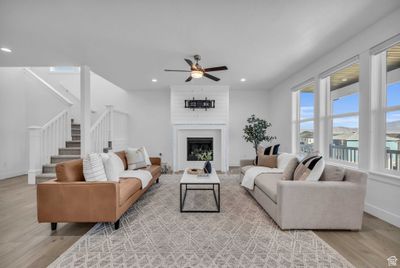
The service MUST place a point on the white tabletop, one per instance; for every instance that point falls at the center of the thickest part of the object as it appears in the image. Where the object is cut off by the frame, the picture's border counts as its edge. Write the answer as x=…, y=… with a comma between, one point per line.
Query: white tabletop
x=189, y=178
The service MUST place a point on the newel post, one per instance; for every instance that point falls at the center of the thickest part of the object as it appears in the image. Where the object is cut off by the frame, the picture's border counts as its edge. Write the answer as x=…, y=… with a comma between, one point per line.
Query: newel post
x=110, y=133
x=35, y=153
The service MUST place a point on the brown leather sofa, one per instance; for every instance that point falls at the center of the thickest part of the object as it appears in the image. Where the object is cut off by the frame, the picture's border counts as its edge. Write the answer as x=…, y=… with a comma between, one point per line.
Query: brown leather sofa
x=69, y=198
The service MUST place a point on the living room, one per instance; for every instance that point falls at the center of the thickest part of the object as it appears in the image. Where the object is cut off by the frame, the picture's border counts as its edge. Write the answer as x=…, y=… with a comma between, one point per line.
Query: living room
x=278, y=121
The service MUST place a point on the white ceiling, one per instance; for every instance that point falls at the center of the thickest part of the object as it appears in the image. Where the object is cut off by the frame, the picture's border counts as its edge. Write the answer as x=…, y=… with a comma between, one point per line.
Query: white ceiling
x=131, y=42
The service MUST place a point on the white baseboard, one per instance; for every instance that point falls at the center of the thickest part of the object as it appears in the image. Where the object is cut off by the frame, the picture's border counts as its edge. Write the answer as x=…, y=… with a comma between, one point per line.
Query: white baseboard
x=11, y=174
x=383, y=214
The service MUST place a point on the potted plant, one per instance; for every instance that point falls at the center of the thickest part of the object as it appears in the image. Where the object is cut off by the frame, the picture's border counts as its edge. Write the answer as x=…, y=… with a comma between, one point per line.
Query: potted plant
x=256, y=131
x=205, y=155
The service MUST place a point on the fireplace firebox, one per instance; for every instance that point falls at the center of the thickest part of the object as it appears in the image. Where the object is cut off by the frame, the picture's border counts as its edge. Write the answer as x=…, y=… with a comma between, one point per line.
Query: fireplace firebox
x=200, y=149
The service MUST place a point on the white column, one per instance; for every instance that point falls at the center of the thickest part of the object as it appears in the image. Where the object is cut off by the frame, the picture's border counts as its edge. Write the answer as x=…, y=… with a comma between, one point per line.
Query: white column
x=364, y=113
x=85, y=110
x=35, y=153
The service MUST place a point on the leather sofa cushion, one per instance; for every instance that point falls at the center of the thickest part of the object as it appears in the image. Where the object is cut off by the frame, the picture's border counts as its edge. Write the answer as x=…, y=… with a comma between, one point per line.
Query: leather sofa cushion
x=70, y=171
x=153, y=169
x=268, y=184
x=127, y=188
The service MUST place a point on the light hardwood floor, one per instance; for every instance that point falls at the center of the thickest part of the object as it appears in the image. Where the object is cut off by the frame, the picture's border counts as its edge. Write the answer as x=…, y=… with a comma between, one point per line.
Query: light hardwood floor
x=26, y=243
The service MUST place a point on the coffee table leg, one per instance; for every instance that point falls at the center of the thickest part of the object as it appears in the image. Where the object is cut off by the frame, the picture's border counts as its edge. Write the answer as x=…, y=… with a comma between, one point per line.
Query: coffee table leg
x=180, y=196
x=219, y=198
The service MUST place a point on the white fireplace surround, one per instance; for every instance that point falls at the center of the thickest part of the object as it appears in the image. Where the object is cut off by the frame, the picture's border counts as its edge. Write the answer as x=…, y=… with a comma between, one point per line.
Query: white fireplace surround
x=219, y=133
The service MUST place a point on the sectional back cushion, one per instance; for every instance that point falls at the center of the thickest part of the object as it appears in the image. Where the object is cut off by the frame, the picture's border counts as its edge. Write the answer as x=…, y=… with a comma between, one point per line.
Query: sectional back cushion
x=93, y=169
x=310, y=169
x=267, y=160
x=288, y=171
x=333, y=173
x=113, y=166
x=136, y=158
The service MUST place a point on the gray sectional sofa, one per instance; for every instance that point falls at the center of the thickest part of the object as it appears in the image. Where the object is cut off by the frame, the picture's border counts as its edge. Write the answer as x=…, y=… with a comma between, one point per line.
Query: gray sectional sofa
x=336, y=201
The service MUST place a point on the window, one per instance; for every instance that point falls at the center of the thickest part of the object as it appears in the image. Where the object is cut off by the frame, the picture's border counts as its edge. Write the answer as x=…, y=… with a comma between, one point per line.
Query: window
x=305, y=122
x=343, y=88
x=65, y=69
x=392, y=108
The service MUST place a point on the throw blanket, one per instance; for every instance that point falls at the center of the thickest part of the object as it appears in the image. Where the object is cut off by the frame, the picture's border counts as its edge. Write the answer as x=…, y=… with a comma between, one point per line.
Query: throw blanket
x=251, y=174
x=143, y=175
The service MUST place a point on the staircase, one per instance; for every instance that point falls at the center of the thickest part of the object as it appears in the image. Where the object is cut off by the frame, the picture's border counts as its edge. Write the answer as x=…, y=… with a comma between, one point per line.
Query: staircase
x=72, y=150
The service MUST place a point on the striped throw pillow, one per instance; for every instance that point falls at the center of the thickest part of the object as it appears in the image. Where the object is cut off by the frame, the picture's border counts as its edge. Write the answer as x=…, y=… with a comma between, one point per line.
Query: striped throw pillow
x=93, y=169
x=309, y=169
x=136, y=158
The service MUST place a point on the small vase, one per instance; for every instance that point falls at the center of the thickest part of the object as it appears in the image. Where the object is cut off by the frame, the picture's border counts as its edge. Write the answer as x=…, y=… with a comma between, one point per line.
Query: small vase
x=207, y=167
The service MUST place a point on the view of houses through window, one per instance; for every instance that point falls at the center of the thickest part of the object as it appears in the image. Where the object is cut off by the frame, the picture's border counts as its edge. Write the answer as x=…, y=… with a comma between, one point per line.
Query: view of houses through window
x=392, y=108
x=306, y=123
x=344, y=103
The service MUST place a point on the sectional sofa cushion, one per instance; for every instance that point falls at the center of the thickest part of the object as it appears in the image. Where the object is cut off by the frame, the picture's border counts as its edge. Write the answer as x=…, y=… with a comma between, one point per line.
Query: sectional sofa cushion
x=93, y=169
x=310, y=169
x=136, y=158
x=267, y=161
x=288, y=171
x=268, y=184
x=332, y=173
x=113, y=166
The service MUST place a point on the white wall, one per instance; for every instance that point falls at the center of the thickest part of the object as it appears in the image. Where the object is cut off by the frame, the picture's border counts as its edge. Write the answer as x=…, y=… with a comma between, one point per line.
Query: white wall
x=383, y=194
x=244, y=103
x=151, y=123
x=24, y=102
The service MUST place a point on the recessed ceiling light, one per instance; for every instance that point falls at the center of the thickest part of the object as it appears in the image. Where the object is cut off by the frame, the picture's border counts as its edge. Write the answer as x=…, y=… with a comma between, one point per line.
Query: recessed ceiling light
x=4, y=49
x=243, y=80
x=154, y=80
x=344, y=79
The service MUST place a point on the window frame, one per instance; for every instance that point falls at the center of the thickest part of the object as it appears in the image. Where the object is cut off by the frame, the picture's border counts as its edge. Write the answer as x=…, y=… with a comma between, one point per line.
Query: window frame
x=325, y=79
x=379, y=86
x=297, y=114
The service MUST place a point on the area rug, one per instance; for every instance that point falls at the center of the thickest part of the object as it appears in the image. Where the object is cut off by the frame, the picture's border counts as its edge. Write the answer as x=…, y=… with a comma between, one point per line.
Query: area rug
x=154, y=233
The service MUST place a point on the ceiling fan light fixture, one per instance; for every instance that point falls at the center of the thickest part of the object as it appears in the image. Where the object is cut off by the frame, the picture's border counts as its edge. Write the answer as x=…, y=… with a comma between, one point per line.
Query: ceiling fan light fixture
x=196, y=74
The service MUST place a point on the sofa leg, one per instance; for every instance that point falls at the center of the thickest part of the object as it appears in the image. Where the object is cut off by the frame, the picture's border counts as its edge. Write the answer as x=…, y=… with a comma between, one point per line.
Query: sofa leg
x=116, y=225
x=158, y=180
x=53, y=226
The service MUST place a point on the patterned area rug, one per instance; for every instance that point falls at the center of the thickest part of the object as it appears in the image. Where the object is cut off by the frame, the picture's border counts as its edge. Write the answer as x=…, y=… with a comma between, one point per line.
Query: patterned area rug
x=154, y=233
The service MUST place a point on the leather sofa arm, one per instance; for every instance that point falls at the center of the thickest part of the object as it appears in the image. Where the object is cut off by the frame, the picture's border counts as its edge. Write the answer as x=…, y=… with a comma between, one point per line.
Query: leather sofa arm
x=155, y=161
x=320, y=205
x=77, y=201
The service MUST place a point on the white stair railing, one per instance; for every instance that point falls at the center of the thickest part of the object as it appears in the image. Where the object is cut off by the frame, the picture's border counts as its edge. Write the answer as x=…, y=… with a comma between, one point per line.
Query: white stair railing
x=45, y=141
x=101, y=131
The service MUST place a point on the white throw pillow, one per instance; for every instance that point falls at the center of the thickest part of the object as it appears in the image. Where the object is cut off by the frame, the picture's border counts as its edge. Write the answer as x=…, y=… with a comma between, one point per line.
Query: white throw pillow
x=135, y=158
x=93, y=169
x=146, y=156
x=113, y=166
x=284, y=159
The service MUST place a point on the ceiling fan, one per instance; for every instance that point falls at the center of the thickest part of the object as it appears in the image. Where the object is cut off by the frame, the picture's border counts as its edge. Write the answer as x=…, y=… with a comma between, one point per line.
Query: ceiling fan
x=196, y=71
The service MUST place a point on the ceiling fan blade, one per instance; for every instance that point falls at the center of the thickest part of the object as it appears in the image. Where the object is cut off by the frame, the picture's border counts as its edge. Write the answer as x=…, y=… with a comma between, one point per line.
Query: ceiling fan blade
x=185, y=71
x=189, y=62
x=211, y=77
x=188, y=79
x=213, y=69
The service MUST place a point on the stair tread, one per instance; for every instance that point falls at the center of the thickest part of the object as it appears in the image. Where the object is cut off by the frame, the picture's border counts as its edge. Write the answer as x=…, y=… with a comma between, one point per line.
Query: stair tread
x=66, y=156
